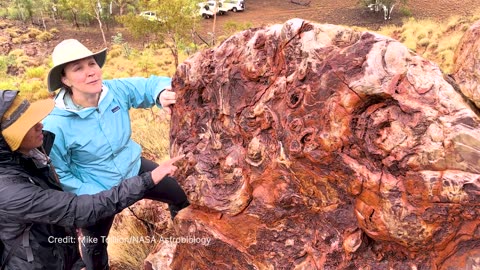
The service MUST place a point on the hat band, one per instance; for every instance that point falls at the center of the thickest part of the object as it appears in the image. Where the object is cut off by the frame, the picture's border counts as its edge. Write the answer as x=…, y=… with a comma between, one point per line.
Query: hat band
x=7, y=121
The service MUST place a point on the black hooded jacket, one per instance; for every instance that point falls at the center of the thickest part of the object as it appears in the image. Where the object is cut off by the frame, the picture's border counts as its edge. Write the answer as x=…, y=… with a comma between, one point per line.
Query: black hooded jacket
x=29, y=195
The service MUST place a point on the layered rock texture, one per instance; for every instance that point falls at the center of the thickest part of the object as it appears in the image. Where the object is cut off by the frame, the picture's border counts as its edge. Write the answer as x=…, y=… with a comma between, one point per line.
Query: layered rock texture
x=316, y=146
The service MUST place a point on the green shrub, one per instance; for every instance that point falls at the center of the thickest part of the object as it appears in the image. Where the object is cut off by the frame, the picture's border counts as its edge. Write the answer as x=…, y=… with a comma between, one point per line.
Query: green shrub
x=42, y=94
x=33, y=32
x=433, y=46
x=13, y=32
x=6, y=60
x=115, y=51
x=424, y=42
x=24, y=60
x=447, y=61
x=232, y=27
x=17, y=52
x=22, y=39
x=15, y=14
x=406, y=12
x=35, y=72
x=127, y=51
x=454, y=21
x=145, y=63
x=8, y=83
x=3, y=14
x=464, y=27
x=450, y=42
x=4, y=25
x=118, y=39
x=30, y=87
x=45, y=36
x=119, y=42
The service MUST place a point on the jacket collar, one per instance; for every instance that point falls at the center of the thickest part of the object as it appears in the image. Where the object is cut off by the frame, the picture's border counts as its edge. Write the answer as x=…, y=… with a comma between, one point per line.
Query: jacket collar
x=83, y=113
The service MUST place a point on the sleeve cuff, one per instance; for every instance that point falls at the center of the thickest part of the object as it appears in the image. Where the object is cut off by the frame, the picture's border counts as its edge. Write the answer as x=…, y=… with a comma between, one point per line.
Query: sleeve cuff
x=147, y=180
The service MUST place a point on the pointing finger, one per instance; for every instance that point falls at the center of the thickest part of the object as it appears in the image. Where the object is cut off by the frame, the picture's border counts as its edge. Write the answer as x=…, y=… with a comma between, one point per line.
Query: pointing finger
x=177, y=158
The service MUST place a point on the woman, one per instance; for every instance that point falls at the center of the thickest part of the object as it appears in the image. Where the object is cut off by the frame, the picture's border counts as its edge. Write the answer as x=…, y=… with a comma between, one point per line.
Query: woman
x=37, y=218
x=93, y=149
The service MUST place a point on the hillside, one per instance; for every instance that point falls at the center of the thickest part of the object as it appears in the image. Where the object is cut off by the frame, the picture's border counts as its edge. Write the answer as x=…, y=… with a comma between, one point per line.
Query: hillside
x=264, y=12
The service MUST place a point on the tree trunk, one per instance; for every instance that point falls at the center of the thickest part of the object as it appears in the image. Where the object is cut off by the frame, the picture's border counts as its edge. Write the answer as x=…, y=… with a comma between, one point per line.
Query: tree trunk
x=43, y=22
x=314, y=146
x=100, y=25
x=75, y=22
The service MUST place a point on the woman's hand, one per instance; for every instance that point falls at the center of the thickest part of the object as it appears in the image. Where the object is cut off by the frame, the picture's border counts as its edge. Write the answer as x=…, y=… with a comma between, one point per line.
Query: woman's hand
x=165, y=168
x=167, y=98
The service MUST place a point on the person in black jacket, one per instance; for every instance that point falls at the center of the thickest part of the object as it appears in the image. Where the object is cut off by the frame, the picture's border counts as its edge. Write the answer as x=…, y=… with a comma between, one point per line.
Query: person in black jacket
x=37, y=218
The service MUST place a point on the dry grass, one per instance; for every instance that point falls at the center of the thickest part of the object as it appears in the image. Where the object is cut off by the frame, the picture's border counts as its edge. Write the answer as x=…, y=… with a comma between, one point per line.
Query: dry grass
x=150, y=128
x=131, y=240
x=128, y=246
x=434, y=40
x=13, y=32
x=123, y=62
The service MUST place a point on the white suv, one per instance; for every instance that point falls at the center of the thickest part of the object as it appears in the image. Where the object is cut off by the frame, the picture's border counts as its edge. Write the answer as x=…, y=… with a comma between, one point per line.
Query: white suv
x=234, y=5
x=207, y=9
x=149, y=15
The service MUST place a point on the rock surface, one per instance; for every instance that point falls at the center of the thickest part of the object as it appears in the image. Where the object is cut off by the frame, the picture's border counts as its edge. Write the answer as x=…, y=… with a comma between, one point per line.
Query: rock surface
x=316, y=146
x=467, y=64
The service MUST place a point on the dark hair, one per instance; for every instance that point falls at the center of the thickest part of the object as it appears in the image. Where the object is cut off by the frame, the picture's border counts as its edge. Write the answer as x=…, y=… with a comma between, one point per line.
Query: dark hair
x=64, y=86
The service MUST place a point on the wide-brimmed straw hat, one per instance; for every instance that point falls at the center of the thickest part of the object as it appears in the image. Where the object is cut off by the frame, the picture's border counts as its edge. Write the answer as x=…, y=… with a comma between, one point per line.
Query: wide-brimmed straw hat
x=68, y=51
x=19, y=116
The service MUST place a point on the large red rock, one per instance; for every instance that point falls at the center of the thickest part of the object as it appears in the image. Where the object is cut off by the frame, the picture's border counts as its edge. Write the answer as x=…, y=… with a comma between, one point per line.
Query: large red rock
x=316, y=146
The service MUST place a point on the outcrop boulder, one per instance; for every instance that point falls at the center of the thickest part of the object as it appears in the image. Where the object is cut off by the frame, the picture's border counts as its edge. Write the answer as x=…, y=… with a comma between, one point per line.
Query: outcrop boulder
x=313, y=146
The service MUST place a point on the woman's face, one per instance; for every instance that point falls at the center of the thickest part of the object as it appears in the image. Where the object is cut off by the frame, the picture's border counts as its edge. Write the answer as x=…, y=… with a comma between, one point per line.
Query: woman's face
x=32, y=140
x=83, y=76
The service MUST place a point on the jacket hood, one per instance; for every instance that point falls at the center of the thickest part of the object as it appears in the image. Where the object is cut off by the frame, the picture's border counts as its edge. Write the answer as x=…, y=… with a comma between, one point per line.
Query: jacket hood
x=6, y=154
x=6, y=100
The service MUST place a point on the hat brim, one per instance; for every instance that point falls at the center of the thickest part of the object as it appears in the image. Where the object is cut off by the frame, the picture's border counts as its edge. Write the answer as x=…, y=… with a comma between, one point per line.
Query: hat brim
x=15, y=133
x=54, y=80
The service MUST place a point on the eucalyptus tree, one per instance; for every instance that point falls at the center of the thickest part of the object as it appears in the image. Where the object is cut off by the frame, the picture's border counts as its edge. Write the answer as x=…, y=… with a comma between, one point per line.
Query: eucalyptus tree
x=85, y=11
x=25, y=9
x=74, y=8
x=44, y=9
x=175, y=23
x=34, y=10
x=99, y=10
x=124, y=4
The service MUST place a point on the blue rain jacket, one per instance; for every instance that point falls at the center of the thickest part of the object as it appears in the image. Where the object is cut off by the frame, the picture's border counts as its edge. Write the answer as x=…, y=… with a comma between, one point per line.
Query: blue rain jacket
x=93, y=149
